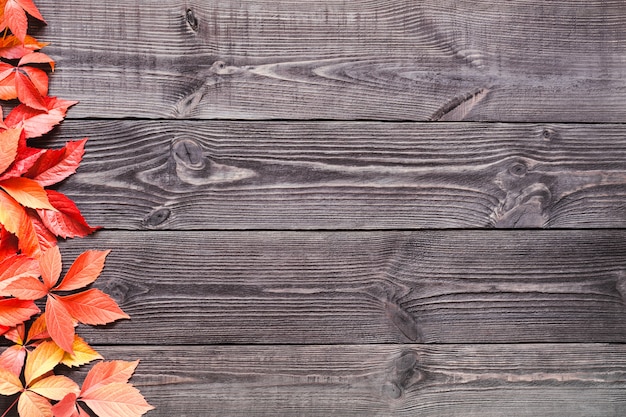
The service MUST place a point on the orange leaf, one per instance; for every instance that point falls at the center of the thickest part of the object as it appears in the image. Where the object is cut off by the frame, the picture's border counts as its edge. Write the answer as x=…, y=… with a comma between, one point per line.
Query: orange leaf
x=83, y=354
x=117, y=400
x=9, y=140
x=13, y=48
x=16, y=334
x=60, y=324
x=42, y=360
x=14, y=267
x=104, y=373
x=50, y=266
x=85, y=270
x=54, y=387
x=92, y=307
x=14, y=311
x=9, y=382
x=27, y=192
x=27, y=288
x=28, y=93
x=33, y=405
x=31, y=9
x=38, y=330
x=7, y=87
x=12, y=359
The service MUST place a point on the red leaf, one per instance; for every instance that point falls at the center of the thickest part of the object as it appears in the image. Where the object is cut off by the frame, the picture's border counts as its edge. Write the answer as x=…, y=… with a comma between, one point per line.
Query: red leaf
x=57, y=164
x=104, y=373
x=39, y=122
x=15, y=19
x=8, y=244
x=31, y=9
x=36, y=58
x=28, y=93
x=85, y=270
x=67, y=220
x=7, y=86
x=50, y=266
x=27, y=192
x=13, y=48
x=14, y=311
x=39, y=79
x=117, y=400
x=93, y=307
x=60, y=324
x=45, y=238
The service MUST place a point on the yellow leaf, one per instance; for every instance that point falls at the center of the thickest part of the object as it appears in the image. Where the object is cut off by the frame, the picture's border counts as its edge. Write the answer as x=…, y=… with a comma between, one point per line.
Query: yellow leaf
x=33, y=405
x=41, y=360
x=55, y=387
x=83, y=353
x=9, y=382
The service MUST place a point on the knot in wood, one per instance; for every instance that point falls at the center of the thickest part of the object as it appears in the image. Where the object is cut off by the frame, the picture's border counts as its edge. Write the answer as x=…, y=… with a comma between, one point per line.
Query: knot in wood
x=191, y=20
x=189, y=153
x=518, y=169
x=157, y=217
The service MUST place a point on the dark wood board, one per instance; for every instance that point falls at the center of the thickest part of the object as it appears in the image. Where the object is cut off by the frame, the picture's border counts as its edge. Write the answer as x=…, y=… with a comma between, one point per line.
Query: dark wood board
x=362, y=287
x=348, y=175
x=484, y=60
x=381, y=380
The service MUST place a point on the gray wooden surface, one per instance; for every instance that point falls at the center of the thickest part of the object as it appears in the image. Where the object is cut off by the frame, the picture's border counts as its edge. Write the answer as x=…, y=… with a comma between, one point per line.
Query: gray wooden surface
x=354, y=208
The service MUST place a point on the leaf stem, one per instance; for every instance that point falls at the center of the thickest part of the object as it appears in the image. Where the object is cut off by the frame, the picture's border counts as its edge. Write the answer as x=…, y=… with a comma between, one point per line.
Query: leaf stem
x=10, y=407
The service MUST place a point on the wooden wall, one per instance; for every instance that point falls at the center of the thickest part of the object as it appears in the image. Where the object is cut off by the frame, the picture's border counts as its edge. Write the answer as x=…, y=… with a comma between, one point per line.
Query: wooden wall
x=355, y=208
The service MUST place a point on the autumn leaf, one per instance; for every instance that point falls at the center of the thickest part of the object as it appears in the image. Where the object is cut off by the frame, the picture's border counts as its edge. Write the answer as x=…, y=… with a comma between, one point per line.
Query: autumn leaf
x=60, y=324
x=9, y=382
x=65, y=221
x=12, y=359
x=116, y=400
x=83, y=354
x=55, y=165
x=13, y=48
x=14, y=311
x=9, y=140
x=8, y=244
x=33, y=405
x=84, y=271
x=15, y=16
x=39, y=122
x=50, y=266
x=27, y=192
x=42, y=360
x=16, y=267
x=93, y=307
x=104, y=373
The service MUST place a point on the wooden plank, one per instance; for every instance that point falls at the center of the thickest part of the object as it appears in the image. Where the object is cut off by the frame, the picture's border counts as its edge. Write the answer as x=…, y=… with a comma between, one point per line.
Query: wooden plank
x=402, y=380
x=363, y=287
x=333, y=59
x=344, y=175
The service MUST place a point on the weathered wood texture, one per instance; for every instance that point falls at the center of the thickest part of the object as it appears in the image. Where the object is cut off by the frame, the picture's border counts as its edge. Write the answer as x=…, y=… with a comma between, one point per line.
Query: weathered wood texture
x=348, y=175
x=378, y=380
x=363, y=287
x=526, y=60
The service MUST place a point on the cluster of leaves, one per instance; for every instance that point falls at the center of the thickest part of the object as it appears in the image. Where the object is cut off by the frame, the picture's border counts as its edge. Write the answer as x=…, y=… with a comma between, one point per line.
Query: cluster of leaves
x=32, y=219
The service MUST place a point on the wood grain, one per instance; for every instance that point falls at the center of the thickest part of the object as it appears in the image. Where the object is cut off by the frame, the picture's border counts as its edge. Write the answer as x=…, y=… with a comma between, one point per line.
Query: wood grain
x=381, y=380
x=363, y=287
x=530, y=60
x=348, y=175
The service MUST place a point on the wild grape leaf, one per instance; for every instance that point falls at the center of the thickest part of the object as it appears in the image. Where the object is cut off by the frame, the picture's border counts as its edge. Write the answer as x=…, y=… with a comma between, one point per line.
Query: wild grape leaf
x=66, y=407
x=39, y=122
x=16, y=220
x=14, y=16
x=60, y=324
x=109, y=372
x=9, y=140
x=38, y=330
x=12, y=48
x=41, y=361
x=33, y=405
x=16, y=267
x=50, y=266
x=28, y=84
x=55, y=165
x=66, y=221
x=27, y=192
x=8, y=244
x=116, y=400
x=12, y=359
x=9, y=382
x=92, y=307
x=83, y=354
x=54, y=387
x=14, y=311
x=26, y=288
x=84, y=270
